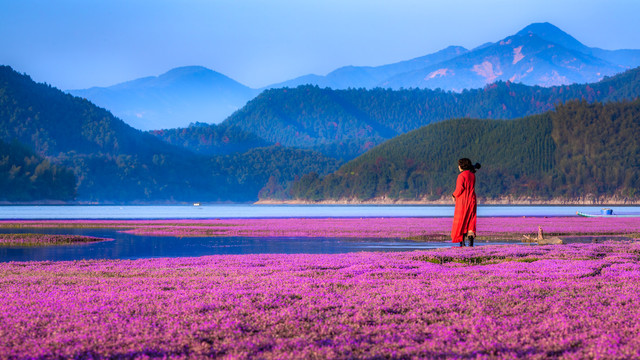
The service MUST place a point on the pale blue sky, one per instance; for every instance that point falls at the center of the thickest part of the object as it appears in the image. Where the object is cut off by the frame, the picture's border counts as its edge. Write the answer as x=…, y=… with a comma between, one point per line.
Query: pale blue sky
x=82, y=43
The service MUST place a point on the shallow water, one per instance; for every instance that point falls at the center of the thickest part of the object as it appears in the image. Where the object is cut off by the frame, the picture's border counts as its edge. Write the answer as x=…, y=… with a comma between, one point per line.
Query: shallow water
x=128, y=246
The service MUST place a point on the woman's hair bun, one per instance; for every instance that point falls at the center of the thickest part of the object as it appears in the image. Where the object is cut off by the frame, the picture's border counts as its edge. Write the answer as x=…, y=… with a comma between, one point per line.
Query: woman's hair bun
x=465, y=164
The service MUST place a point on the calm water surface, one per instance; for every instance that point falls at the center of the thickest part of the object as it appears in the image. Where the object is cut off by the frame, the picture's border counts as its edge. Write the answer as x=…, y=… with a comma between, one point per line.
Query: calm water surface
x=127, y=246
x=279, y=211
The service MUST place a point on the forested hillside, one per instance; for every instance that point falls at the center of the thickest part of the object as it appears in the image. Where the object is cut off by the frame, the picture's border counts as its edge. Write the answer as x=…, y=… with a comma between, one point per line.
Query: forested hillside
x=111, y=160
x=598, y=151
x=346, y=123
x=211, y=139
x=25, y=176
x=578, y=151
x=268, y=172
x=115, y=163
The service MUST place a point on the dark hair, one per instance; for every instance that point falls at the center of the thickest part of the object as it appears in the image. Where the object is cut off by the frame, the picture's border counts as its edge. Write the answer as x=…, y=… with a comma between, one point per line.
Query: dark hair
x=465, y=164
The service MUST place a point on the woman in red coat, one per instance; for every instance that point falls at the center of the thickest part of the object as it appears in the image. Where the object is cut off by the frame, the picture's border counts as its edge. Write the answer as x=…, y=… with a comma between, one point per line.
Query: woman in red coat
x=464, y=217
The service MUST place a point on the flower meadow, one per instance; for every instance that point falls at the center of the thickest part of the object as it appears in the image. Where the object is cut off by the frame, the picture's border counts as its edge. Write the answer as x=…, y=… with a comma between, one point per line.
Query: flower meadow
x=576, y=301
x=419, y=228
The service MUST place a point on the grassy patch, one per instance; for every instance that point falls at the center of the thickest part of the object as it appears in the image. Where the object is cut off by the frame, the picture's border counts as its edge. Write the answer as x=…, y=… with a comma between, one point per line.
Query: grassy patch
x=45, y=239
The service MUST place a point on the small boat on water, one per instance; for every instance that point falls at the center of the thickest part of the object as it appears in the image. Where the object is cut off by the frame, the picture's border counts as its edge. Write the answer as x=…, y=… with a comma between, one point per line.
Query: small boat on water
x=606, y=213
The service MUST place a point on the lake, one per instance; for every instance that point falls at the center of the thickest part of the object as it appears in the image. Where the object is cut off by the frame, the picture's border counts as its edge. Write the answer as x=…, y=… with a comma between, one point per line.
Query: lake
x=266, y=211
x=128, y=246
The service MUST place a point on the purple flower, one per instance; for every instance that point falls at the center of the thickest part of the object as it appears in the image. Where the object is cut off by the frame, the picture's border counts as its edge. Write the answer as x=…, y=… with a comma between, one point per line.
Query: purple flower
x=568, y=301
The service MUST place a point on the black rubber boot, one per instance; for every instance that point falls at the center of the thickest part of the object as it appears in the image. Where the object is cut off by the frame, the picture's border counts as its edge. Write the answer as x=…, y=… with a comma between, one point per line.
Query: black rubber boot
x=470, y=237
x=462, y=242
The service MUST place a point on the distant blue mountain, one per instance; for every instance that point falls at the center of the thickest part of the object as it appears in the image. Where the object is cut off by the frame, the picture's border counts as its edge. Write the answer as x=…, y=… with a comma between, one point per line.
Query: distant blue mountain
x=522, y=58
x=370, y=77
x=540, y=54
x=625, y=58
x=175, y=99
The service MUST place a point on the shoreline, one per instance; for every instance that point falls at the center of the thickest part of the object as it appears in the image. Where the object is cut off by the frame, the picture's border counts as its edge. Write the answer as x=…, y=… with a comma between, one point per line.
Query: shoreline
x=586, y=201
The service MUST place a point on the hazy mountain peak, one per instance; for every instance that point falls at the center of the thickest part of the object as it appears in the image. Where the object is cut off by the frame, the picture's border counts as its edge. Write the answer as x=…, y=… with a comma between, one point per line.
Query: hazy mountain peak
x=191, y=72
x=552, y=33
x=541, y=27
x=173, y=99
x=191, y=75
x=187, y=70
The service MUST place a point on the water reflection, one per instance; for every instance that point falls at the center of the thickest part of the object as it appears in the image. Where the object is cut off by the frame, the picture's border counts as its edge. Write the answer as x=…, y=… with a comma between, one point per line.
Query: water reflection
x=127, y=246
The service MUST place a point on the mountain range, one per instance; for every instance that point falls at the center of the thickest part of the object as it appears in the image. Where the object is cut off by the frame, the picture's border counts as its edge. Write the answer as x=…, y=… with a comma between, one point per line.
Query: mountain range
x=285, y=141
x=346, y=123
x=540, y=54
x=266, y=150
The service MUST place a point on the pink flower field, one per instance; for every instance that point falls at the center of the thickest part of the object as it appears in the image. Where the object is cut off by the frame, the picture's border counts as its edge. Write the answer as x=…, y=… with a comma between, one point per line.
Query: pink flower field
x=407, y=228
x=575, y=301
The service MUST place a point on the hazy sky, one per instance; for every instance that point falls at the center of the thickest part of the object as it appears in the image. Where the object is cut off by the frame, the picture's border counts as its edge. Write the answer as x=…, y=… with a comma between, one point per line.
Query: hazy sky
x=82, y=43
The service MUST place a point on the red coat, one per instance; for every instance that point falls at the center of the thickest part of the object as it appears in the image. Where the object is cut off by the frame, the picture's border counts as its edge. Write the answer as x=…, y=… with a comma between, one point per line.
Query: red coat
x=464, y=217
